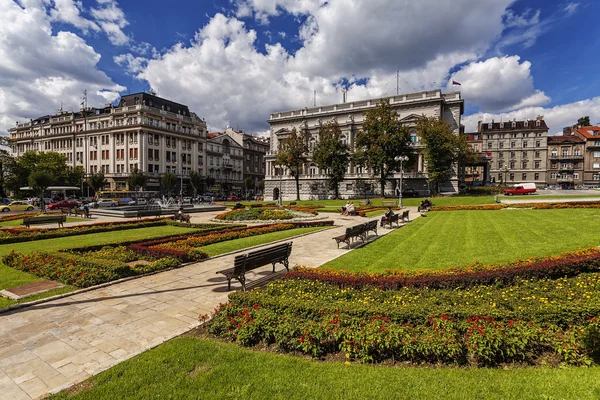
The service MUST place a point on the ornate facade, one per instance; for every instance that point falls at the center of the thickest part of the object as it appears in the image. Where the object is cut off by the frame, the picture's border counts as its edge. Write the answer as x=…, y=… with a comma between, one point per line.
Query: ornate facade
x=350, y=116
x=152, y=133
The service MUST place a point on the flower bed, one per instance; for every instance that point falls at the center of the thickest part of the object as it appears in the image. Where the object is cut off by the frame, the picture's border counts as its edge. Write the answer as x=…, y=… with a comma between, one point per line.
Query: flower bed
x=18, y=216
x=266, y=214
x=17, y=235
x=534, y=206
x=477, y=340
x=566, y=264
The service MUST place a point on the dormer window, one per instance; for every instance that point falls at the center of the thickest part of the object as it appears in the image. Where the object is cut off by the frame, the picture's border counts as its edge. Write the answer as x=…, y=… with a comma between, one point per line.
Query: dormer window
x=514, y=124
x=526, y=123
x=489, y=126
x=537, y=123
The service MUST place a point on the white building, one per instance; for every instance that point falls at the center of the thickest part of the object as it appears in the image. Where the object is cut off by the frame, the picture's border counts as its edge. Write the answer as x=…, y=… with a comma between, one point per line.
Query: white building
x=154, y=134
x=349, y=116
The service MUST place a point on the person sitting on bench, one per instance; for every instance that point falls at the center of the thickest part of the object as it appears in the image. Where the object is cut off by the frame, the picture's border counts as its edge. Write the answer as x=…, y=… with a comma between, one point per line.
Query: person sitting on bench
x=350, y=209
x=386, y=217
x=425, y=205
x=344, y=209
x=180, y=214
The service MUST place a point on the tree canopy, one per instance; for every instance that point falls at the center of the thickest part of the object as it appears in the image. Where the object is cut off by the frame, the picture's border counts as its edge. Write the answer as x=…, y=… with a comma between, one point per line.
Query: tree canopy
x=293, y=155
x=196, y=181
x=380, y=141
x=39, y=181
x=168, y=182
x=584, y=121
x=332, y=155
x=137, y=179
x=443, y=150
x=97, y=181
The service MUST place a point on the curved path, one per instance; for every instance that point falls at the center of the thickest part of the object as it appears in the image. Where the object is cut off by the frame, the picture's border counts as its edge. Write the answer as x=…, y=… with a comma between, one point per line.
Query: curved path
x=52, y=345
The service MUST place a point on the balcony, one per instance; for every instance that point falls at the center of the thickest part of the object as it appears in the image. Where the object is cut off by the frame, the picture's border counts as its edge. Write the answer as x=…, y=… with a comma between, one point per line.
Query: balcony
x=566, y=157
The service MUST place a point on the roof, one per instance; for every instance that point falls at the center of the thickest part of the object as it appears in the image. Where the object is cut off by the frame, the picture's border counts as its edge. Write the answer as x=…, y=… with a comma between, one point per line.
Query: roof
x=589, y=132
x=471, y=137
x=570, y=139
x=154, y=101
x=507, y=126
x=213, y=135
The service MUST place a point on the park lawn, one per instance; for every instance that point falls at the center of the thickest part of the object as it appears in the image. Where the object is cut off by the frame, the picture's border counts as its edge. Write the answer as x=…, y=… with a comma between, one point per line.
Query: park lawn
x=10, y=277
x=18, y=222
x=197, y=368
x=237, y=244
x=459, y=238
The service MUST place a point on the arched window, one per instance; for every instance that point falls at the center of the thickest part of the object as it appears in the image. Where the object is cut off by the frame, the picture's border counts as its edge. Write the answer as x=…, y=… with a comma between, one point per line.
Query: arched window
x=414, y=138
x=313, y=170
x=344, y=140
x=311, y=144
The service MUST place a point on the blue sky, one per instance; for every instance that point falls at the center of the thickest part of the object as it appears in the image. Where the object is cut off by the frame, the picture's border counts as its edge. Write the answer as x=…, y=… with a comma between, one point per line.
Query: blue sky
x=235, y=61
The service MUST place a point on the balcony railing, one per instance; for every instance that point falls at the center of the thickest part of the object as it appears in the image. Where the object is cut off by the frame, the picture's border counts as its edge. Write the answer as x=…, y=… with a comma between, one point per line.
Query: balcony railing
x=566, y=156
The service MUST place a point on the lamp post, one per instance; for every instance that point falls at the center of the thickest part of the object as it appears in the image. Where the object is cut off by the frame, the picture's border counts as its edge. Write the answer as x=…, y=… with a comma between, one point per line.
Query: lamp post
x=401, y=159
x=505, y=170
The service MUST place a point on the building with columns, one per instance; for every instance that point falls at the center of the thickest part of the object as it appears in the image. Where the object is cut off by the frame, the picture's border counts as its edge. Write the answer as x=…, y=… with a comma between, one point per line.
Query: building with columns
x=350, y=116
x=155, y=134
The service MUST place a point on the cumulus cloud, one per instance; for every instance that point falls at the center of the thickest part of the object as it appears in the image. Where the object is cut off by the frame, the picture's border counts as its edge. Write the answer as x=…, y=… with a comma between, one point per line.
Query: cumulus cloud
x=112, y=20
x=69, y=11
x=39, y=69
x=263, y=9
x=499, y=83
x=556, y=117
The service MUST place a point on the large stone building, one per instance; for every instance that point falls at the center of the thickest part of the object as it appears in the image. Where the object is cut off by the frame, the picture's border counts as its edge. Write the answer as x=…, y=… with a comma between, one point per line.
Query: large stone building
x=350, y=116
x=155, y=135
x=566, y=160
x=591, y=159
x=255, y=150
x=225, y=160
x=517, y=150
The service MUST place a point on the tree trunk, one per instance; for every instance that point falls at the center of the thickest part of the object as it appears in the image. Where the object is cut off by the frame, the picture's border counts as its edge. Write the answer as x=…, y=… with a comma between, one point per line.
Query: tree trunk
x=297, y=186
x=382, y=184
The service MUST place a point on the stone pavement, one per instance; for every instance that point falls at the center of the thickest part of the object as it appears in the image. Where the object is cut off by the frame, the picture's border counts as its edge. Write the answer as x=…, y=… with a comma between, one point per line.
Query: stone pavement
x=52, y=345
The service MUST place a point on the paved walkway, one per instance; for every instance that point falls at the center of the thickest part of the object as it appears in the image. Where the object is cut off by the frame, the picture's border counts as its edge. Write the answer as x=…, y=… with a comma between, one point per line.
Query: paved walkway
x=55, y=344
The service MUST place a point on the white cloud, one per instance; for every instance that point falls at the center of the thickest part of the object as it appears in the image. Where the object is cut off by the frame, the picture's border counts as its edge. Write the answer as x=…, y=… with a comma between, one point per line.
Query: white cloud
x=556, y=117
x=134, y=65
x=499, y=83
x=39, y=69
x=112, y=20
x=263, y=9
x=528, y=18
x=571, y=8
x=69, y=11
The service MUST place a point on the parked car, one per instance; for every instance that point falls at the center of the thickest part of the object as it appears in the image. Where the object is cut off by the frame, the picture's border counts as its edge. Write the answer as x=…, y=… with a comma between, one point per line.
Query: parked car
x=17, y=206
x=6, y=201
x=103, y=203
x=410, y=193
x=187, y=200
x=140, y=202
x=233, y=198
x=521, y=189
x=64, y=204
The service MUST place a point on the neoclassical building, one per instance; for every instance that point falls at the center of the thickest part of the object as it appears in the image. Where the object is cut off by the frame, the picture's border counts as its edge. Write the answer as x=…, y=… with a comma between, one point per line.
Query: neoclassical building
x=350, y=116
x=155, y=135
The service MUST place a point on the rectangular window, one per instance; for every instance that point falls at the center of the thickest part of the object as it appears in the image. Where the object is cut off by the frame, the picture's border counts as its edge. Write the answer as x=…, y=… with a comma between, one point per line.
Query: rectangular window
x=575, y=175
x=524, y=154
x=536, y=176
x=150, y=154
x=512, y=165
x=524, y=164
x=596, y=177
x=501, y=145
x=524, y=176
x=537, y=154
x=512, y=154
x=513, y=145
x=596, y=165
x=489, y=145
x=597, y=154
x=168, y=156
x=156, y=155
x=537, y=143
x=537, y=164
x=525, y=143
x=512, y=177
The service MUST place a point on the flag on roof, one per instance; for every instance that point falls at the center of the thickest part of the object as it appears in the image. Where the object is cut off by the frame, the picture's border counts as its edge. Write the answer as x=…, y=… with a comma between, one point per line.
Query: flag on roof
x=455, y=83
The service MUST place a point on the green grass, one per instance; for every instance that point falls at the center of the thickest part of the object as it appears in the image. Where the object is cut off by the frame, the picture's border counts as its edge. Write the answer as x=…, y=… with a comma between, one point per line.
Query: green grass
x=445, y=239
x=237, y=244
x=193, y=368
x=18, y=222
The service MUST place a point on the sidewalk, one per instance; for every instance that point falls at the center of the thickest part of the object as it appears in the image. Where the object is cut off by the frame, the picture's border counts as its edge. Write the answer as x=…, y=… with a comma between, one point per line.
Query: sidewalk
x=53, y=345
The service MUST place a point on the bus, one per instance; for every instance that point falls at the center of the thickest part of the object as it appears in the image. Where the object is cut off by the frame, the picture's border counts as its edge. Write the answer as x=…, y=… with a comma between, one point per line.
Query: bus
x=123, y=197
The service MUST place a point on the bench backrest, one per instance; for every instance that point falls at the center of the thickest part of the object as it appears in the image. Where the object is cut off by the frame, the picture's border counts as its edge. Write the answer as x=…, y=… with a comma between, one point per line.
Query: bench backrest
x=239, y=264
x=270, y=255
x=394, y=218
x=372, y=225
x=405, y=214
x=354, y=230
x=44, y=219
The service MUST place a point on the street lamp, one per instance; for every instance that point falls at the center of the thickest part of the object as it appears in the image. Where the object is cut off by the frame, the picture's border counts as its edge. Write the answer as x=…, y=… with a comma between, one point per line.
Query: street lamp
x=401, y=159
x=505, y=170
x=181, y=187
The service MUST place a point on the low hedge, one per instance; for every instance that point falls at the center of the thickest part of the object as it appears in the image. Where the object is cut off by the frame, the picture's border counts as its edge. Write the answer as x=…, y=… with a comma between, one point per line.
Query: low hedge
x=571, y=263
x=80, y=270
x=477, y=340
x=533, y=206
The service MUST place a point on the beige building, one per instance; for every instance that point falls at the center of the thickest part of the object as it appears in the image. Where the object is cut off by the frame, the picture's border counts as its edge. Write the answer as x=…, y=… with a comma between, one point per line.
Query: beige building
x=225, y=158
x=591, y=162
x=255, y=150
x=566, y=161
x=350, y=116
x=517, y=150
x=143, y=130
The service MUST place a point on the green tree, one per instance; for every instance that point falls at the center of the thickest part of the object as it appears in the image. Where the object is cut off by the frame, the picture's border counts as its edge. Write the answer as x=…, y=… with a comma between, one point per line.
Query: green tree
x=584, y=121
x=443, y=150
x=196, y=181
x=75, y=176
x=332, y=155
x=20, y=168
x=249, y=184
x=210, y=182
x=380, y=141
x=137, y=179
x=168, y=182
x=39, y=182
x=96, y=181
x=293, y=155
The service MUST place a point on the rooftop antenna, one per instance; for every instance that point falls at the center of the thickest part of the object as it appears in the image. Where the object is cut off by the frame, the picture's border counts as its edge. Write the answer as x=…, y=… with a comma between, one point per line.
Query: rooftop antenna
x=397, y=82
x=315, y=98
x=344, y=95
x=84, y=100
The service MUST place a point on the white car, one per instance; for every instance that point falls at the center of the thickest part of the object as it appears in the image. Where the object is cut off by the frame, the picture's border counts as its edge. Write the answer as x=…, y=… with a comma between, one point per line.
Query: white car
x=103, y=203
x=140, y=202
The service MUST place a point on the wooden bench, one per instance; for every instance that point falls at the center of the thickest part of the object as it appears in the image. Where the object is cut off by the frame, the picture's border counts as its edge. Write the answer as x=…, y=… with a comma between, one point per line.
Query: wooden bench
x=149, y=213
x=351, y=234
x=78, y=212
x=66, y=210
x=370, y=226
x=390, y=220
x=388, y=203
x=44, y=219
x=182, y=218
x=256, y=259
x=405, y=217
